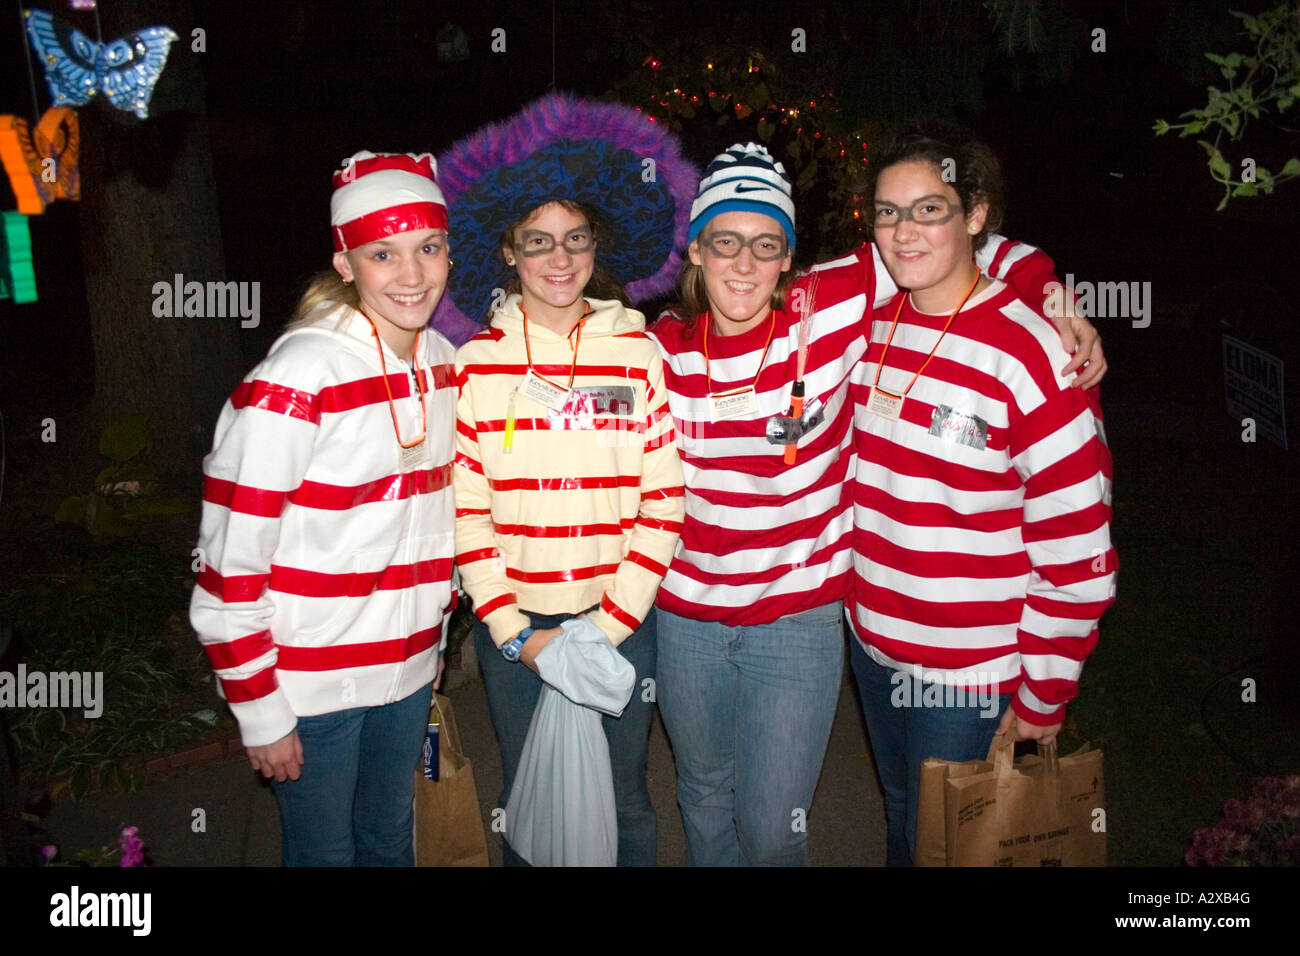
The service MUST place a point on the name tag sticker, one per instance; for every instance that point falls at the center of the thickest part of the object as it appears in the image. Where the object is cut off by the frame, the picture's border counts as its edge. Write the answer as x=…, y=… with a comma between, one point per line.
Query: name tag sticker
x=960, y=427
x=415, y=456
x=543, y=392
x=885, y=405
x=737, y=404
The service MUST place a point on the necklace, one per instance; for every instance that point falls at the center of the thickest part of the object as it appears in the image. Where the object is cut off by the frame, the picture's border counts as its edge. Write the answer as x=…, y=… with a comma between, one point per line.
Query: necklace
x=887, y=404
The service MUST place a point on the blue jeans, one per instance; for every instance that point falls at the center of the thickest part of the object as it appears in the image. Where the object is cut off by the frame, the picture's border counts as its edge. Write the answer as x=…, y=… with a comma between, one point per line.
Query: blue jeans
x=749, y=713
x=352, y=803
x=905, y=728
x=512, y=692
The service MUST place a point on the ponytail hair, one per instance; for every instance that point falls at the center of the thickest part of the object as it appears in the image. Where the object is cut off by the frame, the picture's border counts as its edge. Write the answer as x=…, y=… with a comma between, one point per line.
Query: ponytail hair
x=324, y=290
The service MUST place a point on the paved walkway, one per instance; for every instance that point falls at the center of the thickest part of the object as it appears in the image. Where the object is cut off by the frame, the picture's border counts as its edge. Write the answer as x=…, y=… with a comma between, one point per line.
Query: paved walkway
x=241, y=825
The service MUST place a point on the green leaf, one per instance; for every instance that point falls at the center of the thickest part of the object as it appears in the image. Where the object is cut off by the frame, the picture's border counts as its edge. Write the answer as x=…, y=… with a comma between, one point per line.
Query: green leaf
x=1219, y=167
x=79, y=785
x=125, y=438
x=1245, y=189
x=73, y=509
x=1160, y=128
x=1292, y=167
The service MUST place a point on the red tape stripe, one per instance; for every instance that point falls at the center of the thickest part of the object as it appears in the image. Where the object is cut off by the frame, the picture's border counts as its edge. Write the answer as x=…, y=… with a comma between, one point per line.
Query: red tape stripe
x=373, y=653
x=234, y=589
x=565, y=484
x=280, y=399
x=636, y=557
x=618, y=614
x=260, y=685
x=358, y=584
x=244, y=499
x=240, y=651
x=481, y=611
x=553, y=577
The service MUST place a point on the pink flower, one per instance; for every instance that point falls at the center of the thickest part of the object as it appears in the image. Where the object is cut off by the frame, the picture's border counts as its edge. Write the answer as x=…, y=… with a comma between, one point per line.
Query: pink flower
x=48, y=853
x=132, y=847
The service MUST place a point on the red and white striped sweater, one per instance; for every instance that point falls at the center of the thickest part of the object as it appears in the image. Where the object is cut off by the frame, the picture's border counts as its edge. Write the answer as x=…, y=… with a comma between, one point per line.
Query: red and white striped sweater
x=981, y=544
x=763, y=539
x=326, y=564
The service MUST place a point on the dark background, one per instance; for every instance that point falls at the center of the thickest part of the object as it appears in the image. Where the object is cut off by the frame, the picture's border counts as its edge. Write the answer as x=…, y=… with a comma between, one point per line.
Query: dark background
x=1204, y=522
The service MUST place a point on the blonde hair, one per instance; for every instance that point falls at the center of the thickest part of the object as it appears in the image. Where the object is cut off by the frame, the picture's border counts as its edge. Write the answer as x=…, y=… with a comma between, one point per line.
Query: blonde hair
x=324, y=289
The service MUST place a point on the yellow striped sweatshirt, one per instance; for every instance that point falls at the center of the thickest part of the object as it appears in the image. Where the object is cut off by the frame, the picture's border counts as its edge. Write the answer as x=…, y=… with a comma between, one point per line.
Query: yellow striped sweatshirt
x=560, y=509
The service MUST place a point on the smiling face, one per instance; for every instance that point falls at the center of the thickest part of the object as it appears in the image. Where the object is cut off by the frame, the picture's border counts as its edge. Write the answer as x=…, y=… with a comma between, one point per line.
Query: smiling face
x=740, y=288
x=553, y=280
x=399, y=281
x=933, y=260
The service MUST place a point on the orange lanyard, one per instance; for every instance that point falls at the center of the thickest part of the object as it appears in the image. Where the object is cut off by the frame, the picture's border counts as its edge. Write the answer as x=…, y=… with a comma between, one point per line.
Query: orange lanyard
x=416, y=388
x=708, y=322
x=573, y=344
x=899, y=311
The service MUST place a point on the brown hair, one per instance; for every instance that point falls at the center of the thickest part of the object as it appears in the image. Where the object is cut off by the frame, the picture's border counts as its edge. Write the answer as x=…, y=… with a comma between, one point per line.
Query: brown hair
x=601, y=285
x=978, y=172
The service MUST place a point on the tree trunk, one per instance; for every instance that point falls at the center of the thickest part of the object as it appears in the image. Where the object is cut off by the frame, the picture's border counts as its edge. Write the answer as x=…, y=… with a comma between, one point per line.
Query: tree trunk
x=149, y=212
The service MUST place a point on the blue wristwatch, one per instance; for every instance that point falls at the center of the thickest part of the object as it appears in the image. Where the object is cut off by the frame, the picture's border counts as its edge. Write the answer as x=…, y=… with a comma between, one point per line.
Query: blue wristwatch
x=511, y=649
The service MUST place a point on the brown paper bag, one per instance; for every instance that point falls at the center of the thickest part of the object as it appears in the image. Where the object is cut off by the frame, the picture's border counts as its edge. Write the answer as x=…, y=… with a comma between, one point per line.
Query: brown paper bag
x=1037, y=811
x=448, y=825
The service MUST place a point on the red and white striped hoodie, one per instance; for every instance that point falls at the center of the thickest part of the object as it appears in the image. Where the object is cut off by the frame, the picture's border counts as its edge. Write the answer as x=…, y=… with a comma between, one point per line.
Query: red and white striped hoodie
x=326, y=563
x=763, y=539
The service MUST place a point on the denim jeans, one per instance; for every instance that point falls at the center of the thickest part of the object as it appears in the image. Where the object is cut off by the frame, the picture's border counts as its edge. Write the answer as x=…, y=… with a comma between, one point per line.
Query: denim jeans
x=512, y=692
x=902, y=736
x=749, y=713
x=352, y=803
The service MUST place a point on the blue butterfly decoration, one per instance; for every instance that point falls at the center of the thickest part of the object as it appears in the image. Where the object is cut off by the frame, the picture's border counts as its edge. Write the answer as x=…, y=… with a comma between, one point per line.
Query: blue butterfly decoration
x=124, y=70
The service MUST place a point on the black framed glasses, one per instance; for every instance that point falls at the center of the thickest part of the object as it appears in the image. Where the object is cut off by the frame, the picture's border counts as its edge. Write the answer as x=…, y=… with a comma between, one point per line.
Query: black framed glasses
x=727, y=245
x=930, y=211
x=534, y=242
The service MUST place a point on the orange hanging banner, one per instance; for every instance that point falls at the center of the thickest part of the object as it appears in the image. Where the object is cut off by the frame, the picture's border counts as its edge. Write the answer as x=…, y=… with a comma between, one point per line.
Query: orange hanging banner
x=42, y=167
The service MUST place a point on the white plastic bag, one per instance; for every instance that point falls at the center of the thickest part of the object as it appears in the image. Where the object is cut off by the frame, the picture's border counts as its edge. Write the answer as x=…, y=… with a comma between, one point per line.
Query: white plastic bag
x=561, y=807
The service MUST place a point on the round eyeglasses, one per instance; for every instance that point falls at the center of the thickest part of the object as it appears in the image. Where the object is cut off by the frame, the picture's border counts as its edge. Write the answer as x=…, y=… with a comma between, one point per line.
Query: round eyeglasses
x=727, y=245
x=534, y=242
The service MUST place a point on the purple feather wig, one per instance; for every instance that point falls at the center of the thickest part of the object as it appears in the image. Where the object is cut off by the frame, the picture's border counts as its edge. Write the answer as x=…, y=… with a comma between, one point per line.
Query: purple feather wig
x=606, y=155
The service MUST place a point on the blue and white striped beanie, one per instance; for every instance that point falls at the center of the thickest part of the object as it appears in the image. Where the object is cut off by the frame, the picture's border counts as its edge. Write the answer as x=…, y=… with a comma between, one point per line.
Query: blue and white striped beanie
x=744, y=179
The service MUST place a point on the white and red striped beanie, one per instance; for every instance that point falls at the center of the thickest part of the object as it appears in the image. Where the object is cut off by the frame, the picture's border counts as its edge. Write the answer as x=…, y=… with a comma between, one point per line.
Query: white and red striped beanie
x=379, y=195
